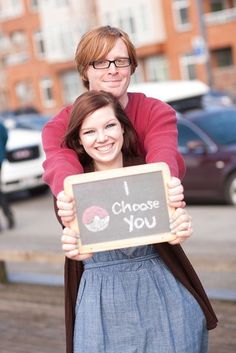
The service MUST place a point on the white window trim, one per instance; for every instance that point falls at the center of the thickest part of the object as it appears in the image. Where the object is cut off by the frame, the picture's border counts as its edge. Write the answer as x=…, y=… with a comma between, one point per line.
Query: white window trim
x=184, y=61
x=177, y=5
x=46, y=83
x=38, y=36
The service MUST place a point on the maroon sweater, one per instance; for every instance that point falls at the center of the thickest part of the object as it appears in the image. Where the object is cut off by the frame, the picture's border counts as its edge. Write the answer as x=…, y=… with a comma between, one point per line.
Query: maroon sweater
x=154, y=122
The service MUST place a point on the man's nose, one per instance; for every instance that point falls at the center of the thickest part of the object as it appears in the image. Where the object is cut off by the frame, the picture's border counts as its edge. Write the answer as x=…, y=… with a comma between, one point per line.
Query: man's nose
x=112, y=68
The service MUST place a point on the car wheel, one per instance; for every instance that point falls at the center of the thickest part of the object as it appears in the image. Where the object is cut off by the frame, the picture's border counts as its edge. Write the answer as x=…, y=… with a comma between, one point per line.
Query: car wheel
x=230, y=190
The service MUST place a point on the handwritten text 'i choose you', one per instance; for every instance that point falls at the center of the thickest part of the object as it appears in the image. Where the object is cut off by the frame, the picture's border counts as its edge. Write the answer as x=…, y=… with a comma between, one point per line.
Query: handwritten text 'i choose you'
x=130, y=209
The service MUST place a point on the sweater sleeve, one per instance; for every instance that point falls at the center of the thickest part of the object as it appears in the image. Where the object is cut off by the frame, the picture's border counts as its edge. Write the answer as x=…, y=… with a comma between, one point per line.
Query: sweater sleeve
x=60, y=162
x=161, y=138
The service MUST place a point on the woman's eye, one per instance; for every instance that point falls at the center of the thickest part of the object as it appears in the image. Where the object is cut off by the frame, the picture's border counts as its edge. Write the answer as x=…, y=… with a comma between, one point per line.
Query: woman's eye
x=89, y=132
x=110, y=125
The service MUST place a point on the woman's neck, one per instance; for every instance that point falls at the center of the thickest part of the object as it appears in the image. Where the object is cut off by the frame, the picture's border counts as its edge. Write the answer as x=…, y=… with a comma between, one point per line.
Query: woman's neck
x=99, y=166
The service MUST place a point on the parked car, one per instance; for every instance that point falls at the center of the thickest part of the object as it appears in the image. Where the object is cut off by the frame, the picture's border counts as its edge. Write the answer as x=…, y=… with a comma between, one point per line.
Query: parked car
x=207, y=141
x=22, y=169
x=215, y=98
x=25, y=121
x=182, y=95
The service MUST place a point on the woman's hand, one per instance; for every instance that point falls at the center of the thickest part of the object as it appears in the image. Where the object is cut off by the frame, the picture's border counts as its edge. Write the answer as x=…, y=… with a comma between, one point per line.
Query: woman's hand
x=69, y=242
x=181, y=225
x=175, y=193
x=66, y=208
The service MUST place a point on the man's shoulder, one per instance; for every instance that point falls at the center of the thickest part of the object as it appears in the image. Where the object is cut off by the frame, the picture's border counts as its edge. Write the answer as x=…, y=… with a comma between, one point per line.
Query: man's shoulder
x=64, y=111
x=63, y=114
x=140, y=99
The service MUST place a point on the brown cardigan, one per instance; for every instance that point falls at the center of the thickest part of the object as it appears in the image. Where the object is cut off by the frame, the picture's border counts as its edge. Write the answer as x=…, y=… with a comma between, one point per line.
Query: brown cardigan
x=172, y=255
x=176, y=260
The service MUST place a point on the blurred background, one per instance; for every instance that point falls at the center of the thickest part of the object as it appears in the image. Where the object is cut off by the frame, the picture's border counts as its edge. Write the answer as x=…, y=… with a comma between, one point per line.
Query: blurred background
x=175, y=40
x=187, y=57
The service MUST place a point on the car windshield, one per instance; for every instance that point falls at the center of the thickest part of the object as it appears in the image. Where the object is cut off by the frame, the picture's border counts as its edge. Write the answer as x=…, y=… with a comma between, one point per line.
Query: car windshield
x=220, y=126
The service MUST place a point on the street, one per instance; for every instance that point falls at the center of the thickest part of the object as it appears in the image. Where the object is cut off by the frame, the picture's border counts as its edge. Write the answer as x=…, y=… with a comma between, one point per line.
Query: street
x=211, y=250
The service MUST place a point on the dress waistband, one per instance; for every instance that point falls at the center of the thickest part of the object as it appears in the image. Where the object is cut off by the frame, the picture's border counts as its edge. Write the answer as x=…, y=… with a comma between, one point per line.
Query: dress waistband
x=121, y=261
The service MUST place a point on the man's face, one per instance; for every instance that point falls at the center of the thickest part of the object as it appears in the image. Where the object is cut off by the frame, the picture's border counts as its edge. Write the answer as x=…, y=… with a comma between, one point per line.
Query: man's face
x=113, y=79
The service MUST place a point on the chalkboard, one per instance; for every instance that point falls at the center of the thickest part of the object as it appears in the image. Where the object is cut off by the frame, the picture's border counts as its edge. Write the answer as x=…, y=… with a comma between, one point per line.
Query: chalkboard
x=122, y=207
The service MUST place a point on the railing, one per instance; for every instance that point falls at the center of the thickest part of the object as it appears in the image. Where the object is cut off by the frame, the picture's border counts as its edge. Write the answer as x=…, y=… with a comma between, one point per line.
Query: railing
x=31, y=256
x=218, y=17
x=17, y=58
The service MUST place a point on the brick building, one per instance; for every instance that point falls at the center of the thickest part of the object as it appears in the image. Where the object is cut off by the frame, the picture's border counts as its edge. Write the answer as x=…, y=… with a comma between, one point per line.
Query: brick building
x=38, y=40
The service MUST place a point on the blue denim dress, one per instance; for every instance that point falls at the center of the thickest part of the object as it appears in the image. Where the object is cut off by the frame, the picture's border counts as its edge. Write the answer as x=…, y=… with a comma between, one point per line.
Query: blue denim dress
x=129, y=302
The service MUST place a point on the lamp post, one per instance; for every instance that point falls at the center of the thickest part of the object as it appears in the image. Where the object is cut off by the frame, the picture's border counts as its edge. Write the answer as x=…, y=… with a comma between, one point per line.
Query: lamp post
x=203, y=39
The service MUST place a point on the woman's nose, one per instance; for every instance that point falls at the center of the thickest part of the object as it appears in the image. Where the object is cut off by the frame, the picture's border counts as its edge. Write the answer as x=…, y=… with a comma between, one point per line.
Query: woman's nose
x=101, y=136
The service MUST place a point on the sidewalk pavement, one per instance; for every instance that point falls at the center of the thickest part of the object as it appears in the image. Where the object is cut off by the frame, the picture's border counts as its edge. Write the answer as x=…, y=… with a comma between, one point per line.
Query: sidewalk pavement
x=211, y=249
x=32, y=320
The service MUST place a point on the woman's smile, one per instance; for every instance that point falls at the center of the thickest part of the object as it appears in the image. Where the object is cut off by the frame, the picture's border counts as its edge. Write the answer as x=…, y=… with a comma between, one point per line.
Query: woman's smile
x=104, y=148
x=101, y=135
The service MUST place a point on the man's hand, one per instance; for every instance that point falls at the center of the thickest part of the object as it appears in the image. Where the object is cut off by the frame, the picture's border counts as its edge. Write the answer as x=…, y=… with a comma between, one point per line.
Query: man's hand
x=181, y=226
x=69, y=242
x=66, y=208
x=176, y=193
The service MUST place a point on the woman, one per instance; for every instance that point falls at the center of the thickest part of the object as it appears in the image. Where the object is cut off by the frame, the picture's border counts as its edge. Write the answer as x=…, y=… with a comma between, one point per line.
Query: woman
x=128, y=299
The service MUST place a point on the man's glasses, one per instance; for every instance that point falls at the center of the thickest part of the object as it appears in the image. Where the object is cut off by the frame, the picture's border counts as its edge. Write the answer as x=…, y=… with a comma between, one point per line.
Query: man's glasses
x=105, y=64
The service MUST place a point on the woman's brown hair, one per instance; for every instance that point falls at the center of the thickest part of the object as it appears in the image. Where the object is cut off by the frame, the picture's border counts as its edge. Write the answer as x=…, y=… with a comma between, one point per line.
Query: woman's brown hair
x=87, y=104
x=96, y=44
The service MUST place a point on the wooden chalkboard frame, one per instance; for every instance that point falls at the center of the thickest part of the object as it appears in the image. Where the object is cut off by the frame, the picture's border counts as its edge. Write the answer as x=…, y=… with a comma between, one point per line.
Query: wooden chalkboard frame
x=80, y=179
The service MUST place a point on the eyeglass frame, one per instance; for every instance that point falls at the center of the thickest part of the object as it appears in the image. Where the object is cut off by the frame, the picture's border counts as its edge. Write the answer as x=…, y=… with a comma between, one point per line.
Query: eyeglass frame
x=93, y=63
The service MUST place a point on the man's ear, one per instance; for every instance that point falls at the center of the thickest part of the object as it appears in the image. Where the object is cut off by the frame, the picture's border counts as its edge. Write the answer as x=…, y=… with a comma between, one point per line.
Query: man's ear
x=84, y=76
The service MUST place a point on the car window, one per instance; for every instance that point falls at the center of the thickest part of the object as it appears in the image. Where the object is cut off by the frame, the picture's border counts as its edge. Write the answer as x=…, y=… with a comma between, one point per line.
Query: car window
x=186, y=134
x=220, y=126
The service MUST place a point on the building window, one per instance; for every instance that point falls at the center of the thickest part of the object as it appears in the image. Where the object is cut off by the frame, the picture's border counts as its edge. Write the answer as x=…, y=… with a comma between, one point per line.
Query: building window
x=71, y=86
x=181, y=14
x=34, y=5
x=220, y=5
x=24, y=93
x=39, y=44
x=46, y=86
x=138, y=75
x=138, y=21
x=17, y=51
x=157, y=68
x=217, y=5
x=11, y=8
x=18, y=40
x=55, y=3
x=188, y=67
x=126, y=21
x=222, y=57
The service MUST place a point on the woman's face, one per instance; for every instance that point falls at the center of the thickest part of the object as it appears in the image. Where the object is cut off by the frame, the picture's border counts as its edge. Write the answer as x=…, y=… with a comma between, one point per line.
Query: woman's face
x=101, y=135
x=113, y=79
